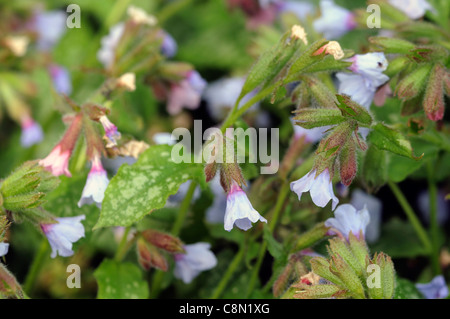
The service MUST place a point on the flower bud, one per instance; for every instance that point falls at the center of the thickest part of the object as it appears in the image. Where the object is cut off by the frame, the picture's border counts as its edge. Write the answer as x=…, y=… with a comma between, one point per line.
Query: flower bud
x=348, y=164
x=149, y=256
x=164, y=241
x=433, y=102
x=9, y=287
x=412, y=84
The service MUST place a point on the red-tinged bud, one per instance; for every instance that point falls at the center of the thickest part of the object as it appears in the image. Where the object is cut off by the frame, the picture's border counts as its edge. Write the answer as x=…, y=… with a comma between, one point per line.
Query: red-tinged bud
x=164, y=241
x=348, y=163
x=282, y=282
x=433, y=102
x=9, y=287
x=210, y=171
x=331, y=145
x=310, y=279
x=149, y=256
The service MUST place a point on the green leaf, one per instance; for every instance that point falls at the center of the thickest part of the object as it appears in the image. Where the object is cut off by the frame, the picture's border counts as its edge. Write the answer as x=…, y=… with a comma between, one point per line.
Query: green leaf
x=386, y=138
x=274, y=247
x=139, y=189
x=120, y=280
x=399, y=240
x=405, y=289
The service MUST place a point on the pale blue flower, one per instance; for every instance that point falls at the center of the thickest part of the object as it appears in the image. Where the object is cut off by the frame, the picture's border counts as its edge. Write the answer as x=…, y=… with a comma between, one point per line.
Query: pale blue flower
x=335, y=21
x=3, y=249
x=347, y=219
x=198, y=258
x=435, y=289
x=359, y=200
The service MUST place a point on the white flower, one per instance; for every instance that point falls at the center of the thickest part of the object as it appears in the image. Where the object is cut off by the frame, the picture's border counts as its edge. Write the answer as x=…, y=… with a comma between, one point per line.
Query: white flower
x=3, y=249
x=367, y=77
x=221, y=95
x=198, y=258
x=435, y=289
x=96, y=184
x=50, y=27
x=240, y=211
x=335, y=21
x=63, y=234
x=17, y=44
x=163, y=138
x=106, y=54
x=347, y=219
x=414, y=9
x=139, y=16
x=320, y=188
x=374, y=207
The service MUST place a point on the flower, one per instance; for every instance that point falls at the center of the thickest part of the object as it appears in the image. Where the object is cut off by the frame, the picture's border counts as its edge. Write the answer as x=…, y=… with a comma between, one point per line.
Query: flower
x=139, y=16
x=367, y=77
x=335, y=20
x=63, y=234
x=239, y=210
x=109, y=43
x=198, y=258
x=215, y=213
x=111, y=131
x=359, y=200
x=31, y=132
x=3, y=249
x=320, y=187
x=164, y=138
x=61, y=79
x=435, y=289
x=186, y=93
x=57, y=161
x=347, y=219
x=300, y=9
x=169, y=45
x=442, y=207
x=50, y=26
x=297, y=32
x=96, y=184
x=414, y=9
x=221, y=95
x=127, y=81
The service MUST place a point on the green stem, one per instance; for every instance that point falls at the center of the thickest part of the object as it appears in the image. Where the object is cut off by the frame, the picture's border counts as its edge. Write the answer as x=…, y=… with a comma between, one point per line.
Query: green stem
x=122, y=249
x=230, y=271
x=422, y=234
x=172, y=8
x=35, y=267
x=273, y=222
x=116, y=13
x=434, y=226
x=176, y=228
x=238, y=112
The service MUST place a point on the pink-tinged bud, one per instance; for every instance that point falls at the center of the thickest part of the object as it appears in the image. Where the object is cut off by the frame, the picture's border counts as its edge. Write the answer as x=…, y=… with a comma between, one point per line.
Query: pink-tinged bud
x=111, y=132
x=333, y=48
x=348, y=163
x=31, y=132
x=433, y=102
x=9, y=287
x=149, y=256
x=58, y=160
x=96, y=184
x=164, y=241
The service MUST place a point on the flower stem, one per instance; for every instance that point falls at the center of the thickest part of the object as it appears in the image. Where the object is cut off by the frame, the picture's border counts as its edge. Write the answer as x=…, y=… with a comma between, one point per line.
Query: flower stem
x=284, y=191
x=434, y=225
x=35, y=267
x=230, y=271
x=421, y=233
x=176, y=228
x=122, y=249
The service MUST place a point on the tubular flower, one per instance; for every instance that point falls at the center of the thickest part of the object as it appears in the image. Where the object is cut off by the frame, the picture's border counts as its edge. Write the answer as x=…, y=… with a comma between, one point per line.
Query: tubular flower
x=414, y=9
x=347, y=219
x=96, y=184
x=111, y=131
x=239, y=210
x=198, y=258
x=435, y=289
x=31, y=132
x=57, y=162
x=63, y=234
x=335, y=21
x=61, y=79
x=320, y=187
x=3, y=249
x=187, y=93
